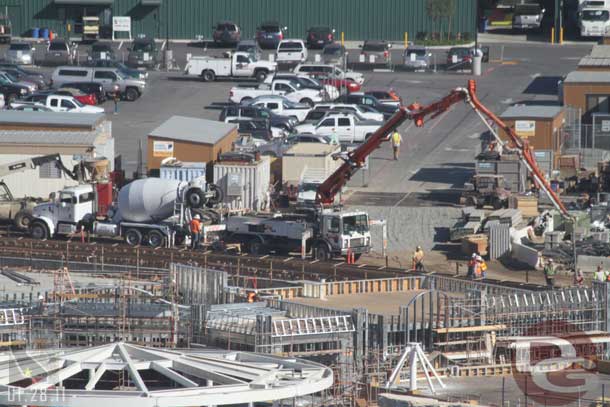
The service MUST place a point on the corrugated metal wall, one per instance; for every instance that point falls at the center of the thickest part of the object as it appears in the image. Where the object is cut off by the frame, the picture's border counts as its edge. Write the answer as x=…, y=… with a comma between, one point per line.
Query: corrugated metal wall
x=359, y=19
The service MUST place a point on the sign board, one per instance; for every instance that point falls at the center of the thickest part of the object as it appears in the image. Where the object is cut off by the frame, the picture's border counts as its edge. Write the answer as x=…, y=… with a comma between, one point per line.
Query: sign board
x=234, y=184
x=163, y=149
x=606, y=126
x=525, y=128
x=121, y=24
x=413, y=56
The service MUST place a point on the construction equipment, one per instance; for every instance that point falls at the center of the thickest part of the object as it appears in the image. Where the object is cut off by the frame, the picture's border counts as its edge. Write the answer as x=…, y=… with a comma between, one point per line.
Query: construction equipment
x=19, y=211
x=516, y=144
x=486, y=189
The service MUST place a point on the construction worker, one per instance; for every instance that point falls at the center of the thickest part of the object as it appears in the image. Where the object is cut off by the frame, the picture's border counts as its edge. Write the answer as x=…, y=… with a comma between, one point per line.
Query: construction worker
x=549, y=273
x=195, y=231
x=396, y=141
x=472, y=266
x=579, y=278
x=418, y=259
x=600, y=274
x=482, y=267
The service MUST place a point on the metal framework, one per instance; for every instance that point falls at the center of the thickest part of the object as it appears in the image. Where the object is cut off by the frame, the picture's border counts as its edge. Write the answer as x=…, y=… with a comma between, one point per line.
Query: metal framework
x=153, y=377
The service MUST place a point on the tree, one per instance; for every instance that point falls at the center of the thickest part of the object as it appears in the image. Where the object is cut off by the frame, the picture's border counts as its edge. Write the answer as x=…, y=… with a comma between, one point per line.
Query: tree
x=439, y=10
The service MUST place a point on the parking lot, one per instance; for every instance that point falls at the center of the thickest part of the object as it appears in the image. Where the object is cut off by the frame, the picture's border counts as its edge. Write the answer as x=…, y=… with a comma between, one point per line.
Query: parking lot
x=413, y=191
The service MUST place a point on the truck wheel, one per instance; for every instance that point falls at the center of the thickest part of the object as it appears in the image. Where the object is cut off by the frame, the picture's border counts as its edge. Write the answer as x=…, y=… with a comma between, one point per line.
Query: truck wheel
x=218, y=195
x=155, y=238
x=133, y=237
x=131, y=94
x=261, y=76
x=307, y=101
x=39, y=230
x=22, y=220
x=256, y=247
x=245, y=99
x=195, y=198
x=209, y=76
x=322, y=253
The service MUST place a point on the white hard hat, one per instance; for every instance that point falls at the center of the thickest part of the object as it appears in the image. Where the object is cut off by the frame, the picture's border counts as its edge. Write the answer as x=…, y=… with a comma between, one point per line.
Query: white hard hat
x=474, y=255
x=197, y=217
x=479, y=258
x=550, y=260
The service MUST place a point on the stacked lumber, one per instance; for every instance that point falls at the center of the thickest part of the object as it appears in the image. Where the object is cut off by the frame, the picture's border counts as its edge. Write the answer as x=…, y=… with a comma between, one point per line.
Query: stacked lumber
x=527, y=204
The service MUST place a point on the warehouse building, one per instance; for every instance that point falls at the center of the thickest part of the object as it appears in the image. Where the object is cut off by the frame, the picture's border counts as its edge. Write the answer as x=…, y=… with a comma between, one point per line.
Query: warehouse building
x=186, y=19
x=189, y=139
x=587, y=91
x=74, y=136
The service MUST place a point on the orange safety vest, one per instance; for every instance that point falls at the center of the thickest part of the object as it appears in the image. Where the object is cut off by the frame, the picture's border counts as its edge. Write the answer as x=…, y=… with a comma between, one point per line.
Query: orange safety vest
x=195, y=226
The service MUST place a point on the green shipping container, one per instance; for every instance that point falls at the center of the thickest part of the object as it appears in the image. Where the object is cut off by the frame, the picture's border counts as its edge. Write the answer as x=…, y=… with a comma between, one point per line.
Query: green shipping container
x=186, y=19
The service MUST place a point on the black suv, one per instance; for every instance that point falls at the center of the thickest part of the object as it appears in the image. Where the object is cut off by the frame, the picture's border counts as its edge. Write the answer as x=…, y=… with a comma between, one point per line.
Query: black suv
x=255, y=112
x=12, y=91
x=319, y=37
x=368, y=100
x=257, y=128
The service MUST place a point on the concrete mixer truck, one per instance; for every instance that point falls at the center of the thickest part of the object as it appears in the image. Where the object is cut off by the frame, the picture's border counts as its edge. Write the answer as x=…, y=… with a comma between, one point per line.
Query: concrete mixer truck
x=151, y=211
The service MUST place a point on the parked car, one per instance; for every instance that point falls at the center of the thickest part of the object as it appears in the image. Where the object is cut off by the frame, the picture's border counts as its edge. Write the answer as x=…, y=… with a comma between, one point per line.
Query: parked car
x=226, y=33
x=101, y=51
x=282, y=106
x=291, y=51
x=269, y=34
x=308, y=138
x=257, y=128
x=361, y=99
x=62, y=103
x=275, y=120
x=331, y=70
x=130, y=89
x=121, y=67
x=40, y=97
x=345, y=126
x=342, y=85
x=59, y=52
x=527, y=16
x=26, y=75
x=233, y=65
x=11, y=91
x=375, y=52
x=334, y=54
x=389, y=97
x=320, y=36
x=94, y=88
x=31, y=107
x=32, y=87
x=416, y=57
x=251, y=47
x=361, y=111
x=20, y=53
x=292, y=90
x=459, y=58
x=143, y=53
x=307, y=81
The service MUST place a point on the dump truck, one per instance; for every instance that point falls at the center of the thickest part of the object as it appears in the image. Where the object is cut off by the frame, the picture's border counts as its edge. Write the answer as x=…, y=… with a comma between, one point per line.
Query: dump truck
x=151, y=211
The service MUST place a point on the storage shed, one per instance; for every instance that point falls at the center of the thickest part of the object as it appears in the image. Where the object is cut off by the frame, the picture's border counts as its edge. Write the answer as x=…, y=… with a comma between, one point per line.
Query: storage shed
x=74, y=136
x=587, y=91
x=189, y=139
x=541, y=125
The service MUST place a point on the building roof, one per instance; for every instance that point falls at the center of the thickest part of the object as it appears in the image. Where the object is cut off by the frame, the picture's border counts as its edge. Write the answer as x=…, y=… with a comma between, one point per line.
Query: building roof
x=594, y=61
x=312, y=149
x=600, y=51
x=587, y=77
x=50, y=119
x=48, y=138
x=532, y=111
x=193, y=129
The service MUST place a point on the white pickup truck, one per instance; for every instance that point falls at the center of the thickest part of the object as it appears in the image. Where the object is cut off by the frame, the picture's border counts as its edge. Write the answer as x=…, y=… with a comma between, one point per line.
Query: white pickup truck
x=235, y=65
x=282, y=106
x=61, y=103
x=291, y=51
x=344, y=126
x=291, y=90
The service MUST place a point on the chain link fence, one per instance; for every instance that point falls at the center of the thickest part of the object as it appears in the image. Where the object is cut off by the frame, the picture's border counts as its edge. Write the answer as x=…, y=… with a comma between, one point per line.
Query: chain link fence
x=590, y=141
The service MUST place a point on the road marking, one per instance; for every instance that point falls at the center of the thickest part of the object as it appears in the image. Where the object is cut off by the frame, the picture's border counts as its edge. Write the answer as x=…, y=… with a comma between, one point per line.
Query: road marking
x=474, y=136
x=120, y=45
x=534, y=76
x=571, y=58
x=163, y=45
x=508, y=101
x=458, y=150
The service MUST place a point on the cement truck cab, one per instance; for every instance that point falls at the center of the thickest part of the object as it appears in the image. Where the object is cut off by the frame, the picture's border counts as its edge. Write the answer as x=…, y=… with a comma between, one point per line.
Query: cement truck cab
x=65, y=214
